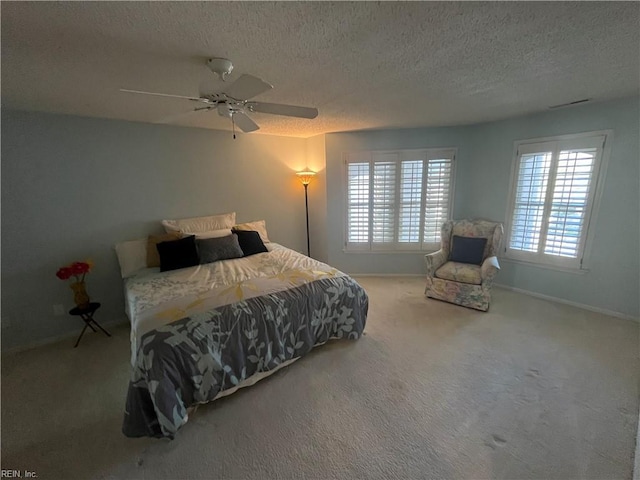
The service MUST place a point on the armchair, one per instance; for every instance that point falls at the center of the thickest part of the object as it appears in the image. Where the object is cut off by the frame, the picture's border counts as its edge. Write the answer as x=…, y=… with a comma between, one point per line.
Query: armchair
x=463, y=283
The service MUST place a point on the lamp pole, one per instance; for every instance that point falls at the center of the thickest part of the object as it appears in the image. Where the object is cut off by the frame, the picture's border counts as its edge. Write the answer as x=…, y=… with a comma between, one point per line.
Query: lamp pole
x=306, y=209
x=305, y=177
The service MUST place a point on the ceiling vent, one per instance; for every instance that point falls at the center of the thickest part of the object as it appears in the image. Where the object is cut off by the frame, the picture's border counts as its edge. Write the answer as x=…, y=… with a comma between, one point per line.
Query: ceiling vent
x=570, y=103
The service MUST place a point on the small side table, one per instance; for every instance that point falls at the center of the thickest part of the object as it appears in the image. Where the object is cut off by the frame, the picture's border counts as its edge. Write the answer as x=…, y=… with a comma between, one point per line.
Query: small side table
x=87, y=315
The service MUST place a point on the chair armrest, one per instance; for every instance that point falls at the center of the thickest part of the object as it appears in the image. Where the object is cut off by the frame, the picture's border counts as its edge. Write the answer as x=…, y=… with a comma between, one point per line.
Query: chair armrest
x=489, y=268
x=434, y=261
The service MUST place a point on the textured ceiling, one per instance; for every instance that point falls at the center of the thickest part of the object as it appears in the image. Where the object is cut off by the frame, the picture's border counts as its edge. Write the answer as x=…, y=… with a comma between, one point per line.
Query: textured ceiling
x=364, y=65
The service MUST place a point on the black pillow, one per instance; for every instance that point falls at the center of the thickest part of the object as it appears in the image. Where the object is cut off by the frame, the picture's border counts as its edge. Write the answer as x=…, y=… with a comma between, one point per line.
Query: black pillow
x=215, y=249
x=250, y=242
x=178, y=253
x=467, y=249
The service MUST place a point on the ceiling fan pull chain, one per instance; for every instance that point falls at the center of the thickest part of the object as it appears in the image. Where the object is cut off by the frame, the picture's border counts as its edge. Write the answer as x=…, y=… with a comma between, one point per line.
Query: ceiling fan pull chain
x=233, y=125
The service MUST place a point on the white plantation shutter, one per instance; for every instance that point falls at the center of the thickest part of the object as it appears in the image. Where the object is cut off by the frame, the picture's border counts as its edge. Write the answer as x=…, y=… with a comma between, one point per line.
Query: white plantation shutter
x=530, y=196
x=552, y=198
x=358, y=203
x=569, y=202
x=384, y=198
x=438, y=193
x=410, y=201
x=398, y=200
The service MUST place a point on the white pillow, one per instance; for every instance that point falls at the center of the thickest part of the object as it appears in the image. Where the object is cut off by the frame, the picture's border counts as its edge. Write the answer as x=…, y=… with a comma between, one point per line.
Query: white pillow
x=223, y=232
x=132, y=256
x=200, y=224
x=259, y=226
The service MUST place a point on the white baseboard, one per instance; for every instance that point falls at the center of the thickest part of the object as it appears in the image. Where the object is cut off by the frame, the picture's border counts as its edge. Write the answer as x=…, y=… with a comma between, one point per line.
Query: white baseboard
x=519, y=290
x=569, y=302
x=57, y=338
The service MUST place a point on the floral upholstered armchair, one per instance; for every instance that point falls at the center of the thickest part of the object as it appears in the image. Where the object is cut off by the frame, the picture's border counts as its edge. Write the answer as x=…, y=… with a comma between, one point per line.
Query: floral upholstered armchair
x=467, y=282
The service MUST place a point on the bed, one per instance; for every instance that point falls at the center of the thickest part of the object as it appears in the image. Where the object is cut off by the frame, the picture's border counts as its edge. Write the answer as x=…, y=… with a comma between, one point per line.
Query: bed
x=202, y=332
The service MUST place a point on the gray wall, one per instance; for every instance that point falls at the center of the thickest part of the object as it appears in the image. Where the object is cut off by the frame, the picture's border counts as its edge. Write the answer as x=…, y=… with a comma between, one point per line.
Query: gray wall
x=339, y=143
x=72, y=187
x=612, y=282
x=483, y=167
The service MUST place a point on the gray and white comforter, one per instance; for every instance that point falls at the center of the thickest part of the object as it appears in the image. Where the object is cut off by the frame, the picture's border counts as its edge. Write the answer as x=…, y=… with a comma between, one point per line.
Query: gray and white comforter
x=198, y=332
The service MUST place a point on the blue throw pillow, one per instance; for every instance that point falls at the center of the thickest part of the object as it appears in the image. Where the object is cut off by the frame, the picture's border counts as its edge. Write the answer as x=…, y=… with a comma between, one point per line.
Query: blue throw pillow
x=467, y=249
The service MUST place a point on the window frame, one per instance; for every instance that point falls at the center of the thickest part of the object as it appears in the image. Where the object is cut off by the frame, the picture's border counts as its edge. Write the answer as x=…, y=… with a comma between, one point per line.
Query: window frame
x=424, y=154
x=580, y=264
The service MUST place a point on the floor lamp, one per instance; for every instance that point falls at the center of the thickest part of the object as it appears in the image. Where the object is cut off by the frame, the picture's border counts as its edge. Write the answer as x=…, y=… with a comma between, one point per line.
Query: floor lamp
x=305, y=177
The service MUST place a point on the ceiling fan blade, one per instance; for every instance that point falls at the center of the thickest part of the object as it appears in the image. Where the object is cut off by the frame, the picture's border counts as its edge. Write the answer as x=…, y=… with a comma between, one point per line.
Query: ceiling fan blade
x=247, y=86
x=196, y=99
x=280, y=109
x=244, y=123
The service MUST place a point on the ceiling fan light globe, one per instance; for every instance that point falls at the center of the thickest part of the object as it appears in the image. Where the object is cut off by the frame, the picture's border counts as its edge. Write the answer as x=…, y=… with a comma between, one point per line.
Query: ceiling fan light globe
x=220, y=66
x=224, y=110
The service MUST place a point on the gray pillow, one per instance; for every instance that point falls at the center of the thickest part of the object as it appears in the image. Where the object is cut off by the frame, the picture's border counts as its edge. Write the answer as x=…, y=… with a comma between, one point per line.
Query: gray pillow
x=216, y=249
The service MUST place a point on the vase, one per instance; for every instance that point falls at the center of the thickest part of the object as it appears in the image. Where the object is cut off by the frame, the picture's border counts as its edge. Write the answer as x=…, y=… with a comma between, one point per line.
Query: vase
x=80, y=295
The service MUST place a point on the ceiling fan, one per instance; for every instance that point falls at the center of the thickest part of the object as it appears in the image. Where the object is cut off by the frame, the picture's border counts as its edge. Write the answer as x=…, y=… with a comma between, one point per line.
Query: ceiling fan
x=234, y=102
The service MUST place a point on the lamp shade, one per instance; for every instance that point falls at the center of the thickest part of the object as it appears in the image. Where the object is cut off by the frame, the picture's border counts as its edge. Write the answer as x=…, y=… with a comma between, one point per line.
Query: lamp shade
x=306, y=176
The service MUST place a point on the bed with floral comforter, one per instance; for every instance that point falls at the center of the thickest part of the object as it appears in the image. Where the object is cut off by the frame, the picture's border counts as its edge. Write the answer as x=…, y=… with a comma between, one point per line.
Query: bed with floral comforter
x=199, y=332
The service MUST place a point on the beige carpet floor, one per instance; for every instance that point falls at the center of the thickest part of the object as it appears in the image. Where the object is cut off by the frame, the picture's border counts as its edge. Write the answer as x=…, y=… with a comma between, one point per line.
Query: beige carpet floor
x=532, y=389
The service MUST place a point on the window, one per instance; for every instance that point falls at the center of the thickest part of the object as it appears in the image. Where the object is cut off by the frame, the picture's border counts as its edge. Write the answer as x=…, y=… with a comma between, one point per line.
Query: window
x=552, y=197
x=397, y=201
